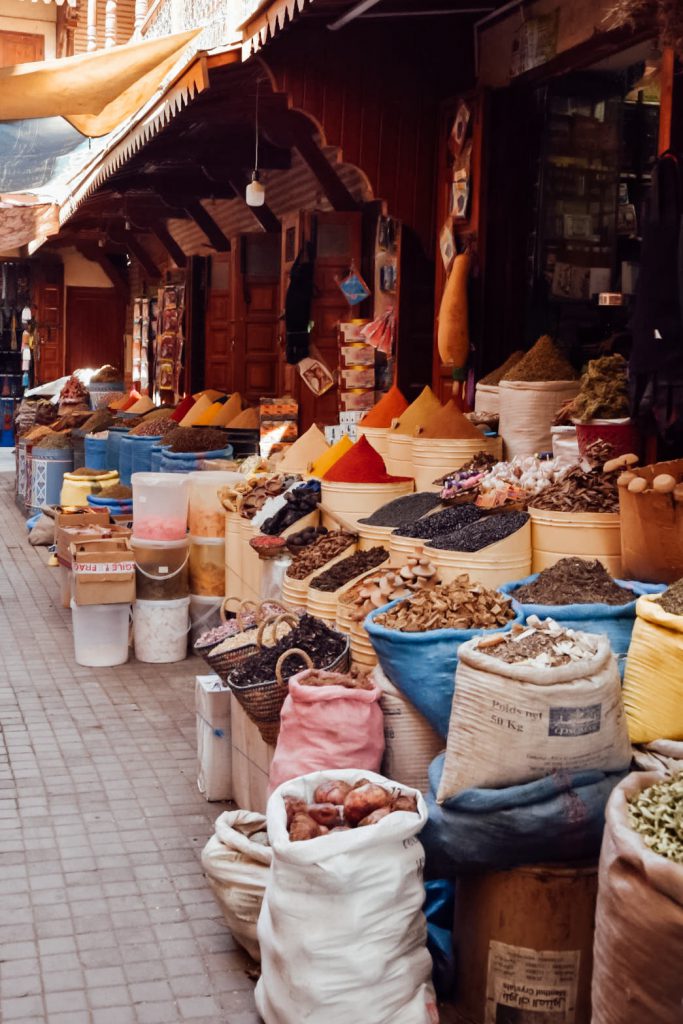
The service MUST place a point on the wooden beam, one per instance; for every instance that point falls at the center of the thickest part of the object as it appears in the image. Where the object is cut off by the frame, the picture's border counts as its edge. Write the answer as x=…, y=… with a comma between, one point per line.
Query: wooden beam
x=263, y=214
x=137, y=249
x=169, y=243
x=96, y=254
x=207, y=225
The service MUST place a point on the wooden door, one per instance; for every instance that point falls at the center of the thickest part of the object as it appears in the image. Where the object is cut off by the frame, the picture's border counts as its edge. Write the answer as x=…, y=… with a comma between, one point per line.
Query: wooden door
x=256, y=315
x=20, y=48
x=49, y=301
x=95, y=319
x=219, y=335
x=337, y=241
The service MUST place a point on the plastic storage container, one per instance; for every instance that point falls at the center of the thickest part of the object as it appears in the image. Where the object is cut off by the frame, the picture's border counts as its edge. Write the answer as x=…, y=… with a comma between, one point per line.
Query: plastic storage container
x=48, y=466
x=160, y=503
x=95, y=449
x=76, y=489
x=506, y=560
x=555, y=535
x=207, y=566
x=206, y=514
x=160, y=630
x=100, y=634
x=377, y=436
x=161, y=569
x=399, y=455
x=355, y=501
x=433, y=458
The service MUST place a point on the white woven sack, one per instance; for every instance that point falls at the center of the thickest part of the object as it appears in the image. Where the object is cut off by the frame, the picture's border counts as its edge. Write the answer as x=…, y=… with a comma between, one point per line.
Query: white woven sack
x=214, y=753
x=487, y=398
x=341, y=931
x=527, y=411
x=410, y=743
x=237, y=870
x=516, y=723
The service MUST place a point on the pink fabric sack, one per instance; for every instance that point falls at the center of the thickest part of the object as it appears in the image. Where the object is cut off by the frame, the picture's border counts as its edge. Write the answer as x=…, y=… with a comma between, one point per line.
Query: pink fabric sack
x=327, y=727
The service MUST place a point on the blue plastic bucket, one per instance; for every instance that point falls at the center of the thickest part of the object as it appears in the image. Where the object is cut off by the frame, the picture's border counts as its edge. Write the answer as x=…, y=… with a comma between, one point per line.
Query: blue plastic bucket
x=48, y=466
x=95, y=452
x=116, y=506
x=422, y=665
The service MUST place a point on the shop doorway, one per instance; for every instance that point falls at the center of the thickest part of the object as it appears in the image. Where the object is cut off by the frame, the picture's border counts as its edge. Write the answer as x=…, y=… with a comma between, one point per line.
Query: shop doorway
x=95, y=321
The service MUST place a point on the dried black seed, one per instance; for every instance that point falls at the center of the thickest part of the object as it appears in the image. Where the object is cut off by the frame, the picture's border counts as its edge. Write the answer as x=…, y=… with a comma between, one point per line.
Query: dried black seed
x=479, y=535
x=403, y=510
x=448, y=521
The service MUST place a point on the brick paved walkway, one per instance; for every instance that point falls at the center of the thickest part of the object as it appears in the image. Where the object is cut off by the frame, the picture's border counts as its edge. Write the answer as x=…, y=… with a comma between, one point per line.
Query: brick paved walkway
x=105, y=917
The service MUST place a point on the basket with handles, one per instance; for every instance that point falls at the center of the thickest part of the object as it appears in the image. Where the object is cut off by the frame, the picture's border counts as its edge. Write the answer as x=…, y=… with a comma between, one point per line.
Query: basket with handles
x=253, y=638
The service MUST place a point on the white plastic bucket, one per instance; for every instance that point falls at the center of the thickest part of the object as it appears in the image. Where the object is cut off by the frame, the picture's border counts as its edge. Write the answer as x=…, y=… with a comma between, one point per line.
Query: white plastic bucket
x=160, y=503
x=206, y=513
x=205, y=614
x=100, y=634
x=160, y=630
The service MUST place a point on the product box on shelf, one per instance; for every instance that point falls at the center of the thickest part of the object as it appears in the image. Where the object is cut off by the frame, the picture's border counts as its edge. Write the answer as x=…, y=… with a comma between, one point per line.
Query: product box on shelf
x=103, y=571
x=74, y=520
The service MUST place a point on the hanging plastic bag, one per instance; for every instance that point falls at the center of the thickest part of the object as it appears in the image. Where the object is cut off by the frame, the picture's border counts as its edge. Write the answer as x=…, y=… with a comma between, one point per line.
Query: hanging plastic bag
x=353, y=287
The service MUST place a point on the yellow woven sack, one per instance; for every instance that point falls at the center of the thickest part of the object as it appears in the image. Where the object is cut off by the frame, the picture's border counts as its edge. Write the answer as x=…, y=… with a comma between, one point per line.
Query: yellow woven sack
x=653, y=681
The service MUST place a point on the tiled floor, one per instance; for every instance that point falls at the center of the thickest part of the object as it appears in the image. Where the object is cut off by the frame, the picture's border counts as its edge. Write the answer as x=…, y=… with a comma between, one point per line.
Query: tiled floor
x=105, y=917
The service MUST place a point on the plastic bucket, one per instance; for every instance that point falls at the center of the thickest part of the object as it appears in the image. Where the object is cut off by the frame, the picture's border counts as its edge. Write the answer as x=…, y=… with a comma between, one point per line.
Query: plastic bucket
x=487, y=399
x=206, y=513
x=555, y=535
x=399, y=456
x=95, y=449
x=77, y=489
x=354, y=501
x=207, y=566
x=100, y=634
x=48, y=466
x=205, y=614
x=161, y=569
x=160, y=503
x=126, y=458
x=433, y=457
x=377, y=436
x=621, y=434
x=371, y=536
x=494, y=565
x=160, y=630
x=141, y=453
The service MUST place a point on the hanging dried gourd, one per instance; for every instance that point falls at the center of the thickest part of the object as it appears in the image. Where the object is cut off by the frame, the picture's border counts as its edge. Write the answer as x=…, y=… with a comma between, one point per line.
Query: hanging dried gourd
x=453, y=334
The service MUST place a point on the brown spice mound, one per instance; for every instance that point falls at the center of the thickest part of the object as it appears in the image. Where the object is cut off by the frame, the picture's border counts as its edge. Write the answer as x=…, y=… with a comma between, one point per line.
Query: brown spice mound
x=672, y=599
x=574, y=581
x=158, y=427
x=53, y=440
x=118, y=491
x=197, y=439
x=495, y=376
x=543, y=362
x=581, y=490
x=84, y=471
x=101, y=419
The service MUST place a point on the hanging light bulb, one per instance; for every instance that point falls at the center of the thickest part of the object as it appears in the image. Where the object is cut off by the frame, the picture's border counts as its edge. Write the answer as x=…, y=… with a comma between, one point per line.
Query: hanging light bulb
x=256, y=193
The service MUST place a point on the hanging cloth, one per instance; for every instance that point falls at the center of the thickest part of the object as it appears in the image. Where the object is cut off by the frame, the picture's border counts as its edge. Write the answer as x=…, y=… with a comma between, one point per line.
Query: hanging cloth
x=298, y=305
x=656, y=367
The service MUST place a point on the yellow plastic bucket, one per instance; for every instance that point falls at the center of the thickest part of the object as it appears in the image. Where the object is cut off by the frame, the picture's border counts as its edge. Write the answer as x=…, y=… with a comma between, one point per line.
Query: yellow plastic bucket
x=503, y=562
x=556, y=535
x=433, y=457
x=77, y=487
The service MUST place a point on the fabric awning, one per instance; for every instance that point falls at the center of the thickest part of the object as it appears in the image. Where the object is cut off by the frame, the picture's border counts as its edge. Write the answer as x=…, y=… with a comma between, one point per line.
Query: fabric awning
x=96, y=91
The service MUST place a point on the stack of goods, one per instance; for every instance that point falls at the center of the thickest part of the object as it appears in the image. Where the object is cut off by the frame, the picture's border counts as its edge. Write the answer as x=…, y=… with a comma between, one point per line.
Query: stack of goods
x=187, y=446
x=105, y=386
x=377, y=869
x=564, y=739
x=248, y=497
x=640, y=903
x=376, y=423
x=486, y=400
x=402, y=432
x=375, y=591
x=331, y=456
x=187, y=440
x=359, y=483
x=310, y=559
x=579, y=513
x=325, y=589
x=356, y=368
x=531, y=392
x=260, y=682
x=651, y=516
x=155, y=426
x=376, y=528
x=213, y=411
x=407, y=539
x=417, y=640
x=300, y=456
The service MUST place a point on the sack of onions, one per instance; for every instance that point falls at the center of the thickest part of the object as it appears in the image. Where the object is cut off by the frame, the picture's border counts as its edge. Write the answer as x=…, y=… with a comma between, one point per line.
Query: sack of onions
x=341, y=930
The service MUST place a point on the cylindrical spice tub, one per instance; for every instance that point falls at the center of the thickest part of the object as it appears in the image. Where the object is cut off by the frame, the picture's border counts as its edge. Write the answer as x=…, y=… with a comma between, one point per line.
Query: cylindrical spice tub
x=433, y=458
x=399, y=456
x=160, y=630
x=48, y=466
x=377, y=436
x=556, y=535
x=354, y=501
x=505, y=560
x=371, y=536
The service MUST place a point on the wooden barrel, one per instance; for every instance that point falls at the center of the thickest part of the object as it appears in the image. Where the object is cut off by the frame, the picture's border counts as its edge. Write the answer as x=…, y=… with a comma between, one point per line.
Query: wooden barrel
x=524, y=945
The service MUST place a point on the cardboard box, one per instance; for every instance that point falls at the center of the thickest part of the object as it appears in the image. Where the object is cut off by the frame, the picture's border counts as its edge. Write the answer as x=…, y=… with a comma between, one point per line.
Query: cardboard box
x=117, y=531
x=74, y=520
x=103, y=571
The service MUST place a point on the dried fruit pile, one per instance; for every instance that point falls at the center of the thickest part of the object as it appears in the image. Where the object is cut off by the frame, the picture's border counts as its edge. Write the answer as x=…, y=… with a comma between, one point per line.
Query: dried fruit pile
x=672, y=599
x=323, y=646
x=574, y=581
x=481, y=534
x=320, y=553
x=448, y=521
x=304, y=538
x=250, y=496
x=403, y=510
x=349, y=568
x=543, y=644
x=462, y=604
x=338, y=807
x=390, y=585
x=657, y=815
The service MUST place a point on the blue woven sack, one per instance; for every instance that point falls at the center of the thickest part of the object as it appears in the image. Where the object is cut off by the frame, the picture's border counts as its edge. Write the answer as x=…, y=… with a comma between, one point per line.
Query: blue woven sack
x=188, y=462
x=95, y=449
x=558, y=818
x=422, y=665
x=616, y=621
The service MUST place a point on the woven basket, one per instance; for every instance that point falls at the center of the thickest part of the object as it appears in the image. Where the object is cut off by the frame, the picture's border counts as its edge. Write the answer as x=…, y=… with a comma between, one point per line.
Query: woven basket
x=243, y=607
x=224, y=662
x=262, y=702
